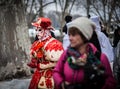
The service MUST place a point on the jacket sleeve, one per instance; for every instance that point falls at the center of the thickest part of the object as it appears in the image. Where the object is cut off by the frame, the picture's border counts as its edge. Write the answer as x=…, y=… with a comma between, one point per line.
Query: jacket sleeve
x=59, y=70
x=110, y=82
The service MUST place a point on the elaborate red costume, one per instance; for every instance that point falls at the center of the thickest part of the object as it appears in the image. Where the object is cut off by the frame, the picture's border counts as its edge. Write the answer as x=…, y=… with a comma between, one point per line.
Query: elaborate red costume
x=45, y=52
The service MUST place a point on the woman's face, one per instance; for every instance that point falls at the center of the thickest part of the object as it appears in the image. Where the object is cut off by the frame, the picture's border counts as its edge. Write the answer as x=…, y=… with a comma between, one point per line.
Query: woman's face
x=75, y=40
x=39, y=33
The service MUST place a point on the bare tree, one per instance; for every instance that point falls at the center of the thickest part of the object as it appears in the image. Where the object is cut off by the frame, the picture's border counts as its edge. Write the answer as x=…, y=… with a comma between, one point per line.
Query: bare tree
x=84, y=5
x=88, y=7
x=108, y=10
x=54, y=16
x=14, y=39
x=36, y=8
x=66, y=7
x=116, y=11
x=105, y=9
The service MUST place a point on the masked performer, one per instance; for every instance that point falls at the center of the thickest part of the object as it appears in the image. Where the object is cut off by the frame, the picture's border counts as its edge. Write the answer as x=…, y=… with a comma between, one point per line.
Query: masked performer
x=44, y=54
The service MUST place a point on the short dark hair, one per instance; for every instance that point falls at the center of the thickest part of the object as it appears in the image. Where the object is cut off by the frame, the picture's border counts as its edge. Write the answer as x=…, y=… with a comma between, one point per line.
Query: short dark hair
x=68, y=18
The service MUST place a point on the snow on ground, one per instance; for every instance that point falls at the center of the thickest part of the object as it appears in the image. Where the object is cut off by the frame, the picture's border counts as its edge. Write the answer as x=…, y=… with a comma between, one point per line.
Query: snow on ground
x=15, y=84
x=19, y=83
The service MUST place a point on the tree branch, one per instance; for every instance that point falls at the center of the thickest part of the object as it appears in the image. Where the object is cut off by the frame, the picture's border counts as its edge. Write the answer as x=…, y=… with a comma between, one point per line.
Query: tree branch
x=71, y=6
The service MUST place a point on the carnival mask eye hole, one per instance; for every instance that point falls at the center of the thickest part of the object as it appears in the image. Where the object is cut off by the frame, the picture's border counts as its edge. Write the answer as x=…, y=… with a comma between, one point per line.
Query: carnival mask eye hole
x=39, y=29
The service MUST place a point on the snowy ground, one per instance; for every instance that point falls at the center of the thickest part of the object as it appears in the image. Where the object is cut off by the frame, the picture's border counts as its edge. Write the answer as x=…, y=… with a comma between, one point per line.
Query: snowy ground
x=19, y=83
x=15, y=84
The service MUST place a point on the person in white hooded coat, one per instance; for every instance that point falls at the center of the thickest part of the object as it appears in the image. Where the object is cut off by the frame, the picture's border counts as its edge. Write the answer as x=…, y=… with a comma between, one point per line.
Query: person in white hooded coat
x=106, y=47
x=66, y=41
